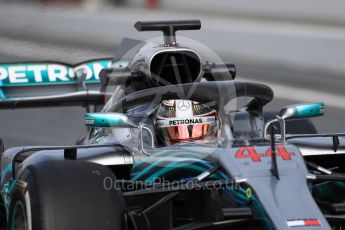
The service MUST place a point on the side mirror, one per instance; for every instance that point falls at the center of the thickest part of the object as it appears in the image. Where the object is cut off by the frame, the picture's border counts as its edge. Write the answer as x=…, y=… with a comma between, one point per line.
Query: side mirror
x=117, y=120
x=300, y=111
x=108, y=120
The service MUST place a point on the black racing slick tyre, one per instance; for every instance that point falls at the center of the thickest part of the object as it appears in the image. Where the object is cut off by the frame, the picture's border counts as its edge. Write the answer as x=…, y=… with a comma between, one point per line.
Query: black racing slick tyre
x=60, y=195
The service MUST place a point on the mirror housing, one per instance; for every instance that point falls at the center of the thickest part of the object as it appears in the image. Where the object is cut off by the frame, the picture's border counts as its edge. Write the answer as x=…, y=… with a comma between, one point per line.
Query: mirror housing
x=300, y=111
x=108, y=120
x=119, y=120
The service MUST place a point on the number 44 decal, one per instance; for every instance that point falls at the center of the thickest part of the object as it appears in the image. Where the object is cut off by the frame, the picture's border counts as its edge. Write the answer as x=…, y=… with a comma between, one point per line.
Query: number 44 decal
x=250, y=152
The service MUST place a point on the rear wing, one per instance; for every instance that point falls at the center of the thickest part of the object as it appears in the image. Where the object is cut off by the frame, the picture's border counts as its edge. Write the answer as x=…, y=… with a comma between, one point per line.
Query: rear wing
x=43, y=84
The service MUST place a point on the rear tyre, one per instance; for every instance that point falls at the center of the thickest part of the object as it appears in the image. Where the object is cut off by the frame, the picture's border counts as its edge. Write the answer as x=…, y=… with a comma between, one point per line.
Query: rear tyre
x=65, y=195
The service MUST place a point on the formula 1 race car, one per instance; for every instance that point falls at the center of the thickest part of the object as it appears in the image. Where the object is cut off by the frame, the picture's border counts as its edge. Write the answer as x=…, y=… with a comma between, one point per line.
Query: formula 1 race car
x=174, y=142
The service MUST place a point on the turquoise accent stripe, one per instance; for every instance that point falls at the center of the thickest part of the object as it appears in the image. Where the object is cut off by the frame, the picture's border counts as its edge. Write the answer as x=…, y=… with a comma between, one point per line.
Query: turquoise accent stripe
x=12, y=185
x=233, y=196
x=6, y=170
x=70, y=82
x=152, y=165
x=5, y=194
x=310, y=110
x=172, y=166
x=2, y=95
x=222, y=174
x=239, y=198
x=139, y=162
x=106, y=120
x=261, y=213
x=216, y=176
x=166, y=158
x=157, y=175
x=340, y=184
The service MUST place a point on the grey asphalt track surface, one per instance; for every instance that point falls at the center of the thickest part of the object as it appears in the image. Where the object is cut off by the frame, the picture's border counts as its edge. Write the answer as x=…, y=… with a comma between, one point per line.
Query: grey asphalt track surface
x=59, y=126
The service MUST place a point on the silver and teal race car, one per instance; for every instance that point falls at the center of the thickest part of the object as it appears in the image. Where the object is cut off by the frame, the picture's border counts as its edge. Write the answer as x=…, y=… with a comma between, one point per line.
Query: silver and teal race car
x=173, y=142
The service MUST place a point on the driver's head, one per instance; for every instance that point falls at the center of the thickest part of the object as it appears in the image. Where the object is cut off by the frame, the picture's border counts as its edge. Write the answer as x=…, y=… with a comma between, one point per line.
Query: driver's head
x=185, y=121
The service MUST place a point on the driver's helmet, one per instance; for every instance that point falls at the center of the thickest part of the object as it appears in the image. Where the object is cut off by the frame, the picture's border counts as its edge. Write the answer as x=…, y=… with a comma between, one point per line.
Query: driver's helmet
x=186, y=121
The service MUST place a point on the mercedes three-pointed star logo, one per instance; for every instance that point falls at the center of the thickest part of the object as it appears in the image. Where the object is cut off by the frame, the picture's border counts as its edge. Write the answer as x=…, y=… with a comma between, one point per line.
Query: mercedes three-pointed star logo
x=183, y=105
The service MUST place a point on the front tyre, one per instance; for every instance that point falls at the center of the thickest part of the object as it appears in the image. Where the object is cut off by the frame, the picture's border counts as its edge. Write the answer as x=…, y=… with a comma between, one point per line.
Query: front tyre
x=65, y=195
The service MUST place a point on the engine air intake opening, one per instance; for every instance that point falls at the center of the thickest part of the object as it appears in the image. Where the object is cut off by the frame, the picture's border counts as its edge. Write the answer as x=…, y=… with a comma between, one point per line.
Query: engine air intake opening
x=175, y=67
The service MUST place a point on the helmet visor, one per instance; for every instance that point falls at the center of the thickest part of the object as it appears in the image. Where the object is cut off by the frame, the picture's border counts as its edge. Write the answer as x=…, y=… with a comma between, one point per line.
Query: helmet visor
x=188, y=129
